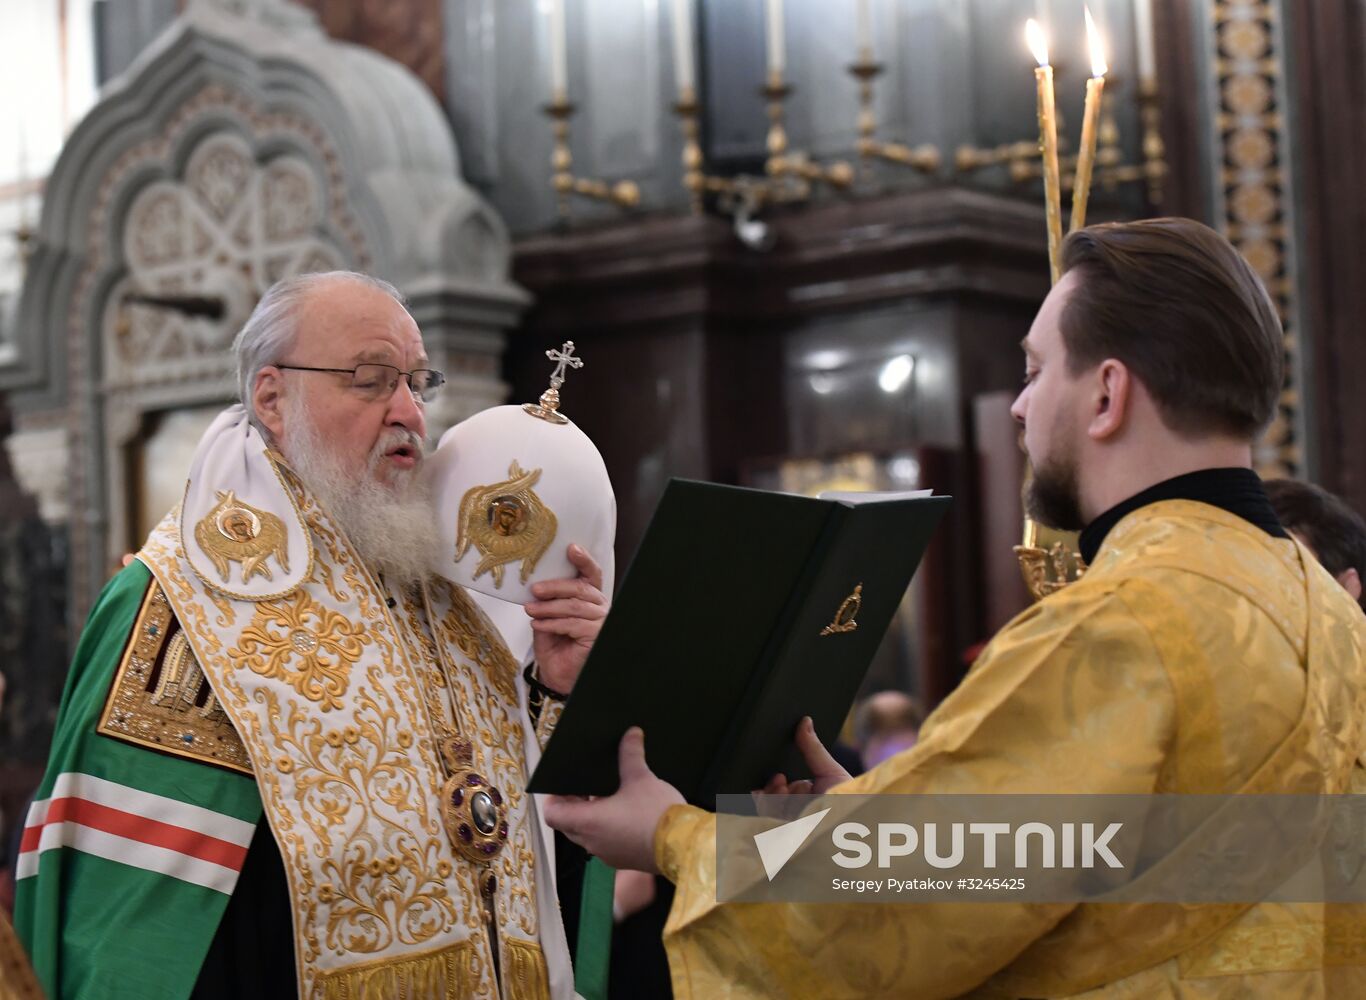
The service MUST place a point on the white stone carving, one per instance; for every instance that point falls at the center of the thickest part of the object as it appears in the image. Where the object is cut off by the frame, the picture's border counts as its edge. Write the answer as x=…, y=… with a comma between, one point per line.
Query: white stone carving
x=243, y=146
x=40, y=459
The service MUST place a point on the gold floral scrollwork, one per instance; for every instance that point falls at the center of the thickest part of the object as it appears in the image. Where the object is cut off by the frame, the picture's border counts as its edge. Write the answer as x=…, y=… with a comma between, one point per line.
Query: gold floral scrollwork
x=307, y=646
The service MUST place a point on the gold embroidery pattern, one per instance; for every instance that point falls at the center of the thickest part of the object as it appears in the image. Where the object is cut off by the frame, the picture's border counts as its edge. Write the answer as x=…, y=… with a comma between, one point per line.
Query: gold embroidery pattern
x=450, y=973
x=506, y=522
x=549, y=718
x=463, y=625
x=401, y=799
x=525, y=976
x=235, y=531
x=352, y=802
x=381, y=871
x=490, y=713
x=324, y=645
x=160, y=698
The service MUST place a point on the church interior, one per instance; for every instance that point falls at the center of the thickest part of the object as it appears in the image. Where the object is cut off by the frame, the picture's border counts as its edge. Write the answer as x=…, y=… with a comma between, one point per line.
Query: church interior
x=796, y=244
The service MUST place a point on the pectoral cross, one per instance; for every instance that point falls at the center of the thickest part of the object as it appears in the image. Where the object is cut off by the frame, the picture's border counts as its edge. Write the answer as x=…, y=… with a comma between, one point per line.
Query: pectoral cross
x=565, y=357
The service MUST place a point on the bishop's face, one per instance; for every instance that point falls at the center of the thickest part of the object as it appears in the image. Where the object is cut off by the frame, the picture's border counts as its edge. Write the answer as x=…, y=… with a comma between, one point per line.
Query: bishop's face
x=1052, y=410
x=368, y=434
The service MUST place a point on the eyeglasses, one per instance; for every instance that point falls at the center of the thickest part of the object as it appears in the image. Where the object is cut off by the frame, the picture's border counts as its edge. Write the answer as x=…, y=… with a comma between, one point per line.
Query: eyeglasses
x=375, y=381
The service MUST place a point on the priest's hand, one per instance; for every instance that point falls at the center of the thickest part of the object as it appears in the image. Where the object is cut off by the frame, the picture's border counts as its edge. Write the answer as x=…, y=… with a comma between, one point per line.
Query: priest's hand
x=619, y=828
x=565, y=620
x=826, y=772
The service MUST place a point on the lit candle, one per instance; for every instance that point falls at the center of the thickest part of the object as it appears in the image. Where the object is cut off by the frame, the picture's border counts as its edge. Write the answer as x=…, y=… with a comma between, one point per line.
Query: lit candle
x=683, y=57
x=1086, y=155
x=559, y=62
x=1048, y=145
x=1143, y=31
x=865, y=29
x=775, y=38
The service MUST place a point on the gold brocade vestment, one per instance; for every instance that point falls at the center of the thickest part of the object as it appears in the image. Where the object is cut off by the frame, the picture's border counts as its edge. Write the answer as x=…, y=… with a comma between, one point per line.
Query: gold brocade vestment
x=1198, y=655
x=338, y=691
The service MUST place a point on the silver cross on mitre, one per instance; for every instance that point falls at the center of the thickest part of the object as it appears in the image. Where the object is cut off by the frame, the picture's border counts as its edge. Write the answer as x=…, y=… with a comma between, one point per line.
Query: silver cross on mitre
x=565, y=357
x=549, y=406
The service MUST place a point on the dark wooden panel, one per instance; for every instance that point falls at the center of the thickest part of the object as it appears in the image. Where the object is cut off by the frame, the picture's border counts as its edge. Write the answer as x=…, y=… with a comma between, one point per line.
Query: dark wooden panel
x=1179, y=62
x=1329, y=117
x=700, y=353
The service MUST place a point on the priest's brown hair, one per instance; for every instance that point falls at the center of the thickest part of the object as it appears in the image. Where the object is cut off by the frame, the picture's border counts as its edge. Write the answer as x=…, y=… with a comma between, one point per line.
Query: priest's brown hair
x=1185, y=313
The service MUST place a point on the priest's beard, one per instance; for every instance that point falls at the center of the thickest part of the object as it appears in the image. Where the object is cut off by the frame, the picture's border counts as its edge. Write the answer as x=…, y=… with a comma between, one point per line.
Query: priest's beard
x=1053, y=496
x=390, y=524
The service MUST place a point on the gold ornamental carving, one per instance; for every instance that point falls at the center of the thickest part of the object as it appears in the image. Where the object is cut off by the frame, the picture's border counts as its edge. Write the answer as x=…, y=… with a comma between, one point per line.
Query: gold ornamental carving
x=1254, y=206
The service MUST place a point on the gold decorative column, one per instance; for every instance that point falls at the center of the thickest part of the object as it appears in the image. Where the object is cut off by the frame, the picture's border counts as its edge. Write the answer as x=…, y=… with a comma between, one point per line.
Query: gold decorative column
x=1253, y=200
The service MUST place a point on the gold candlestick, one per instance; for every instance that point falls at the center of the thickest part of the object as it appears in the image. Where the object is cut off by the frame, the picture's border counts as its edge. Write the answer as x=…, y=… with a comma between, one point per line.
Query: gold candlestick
x=924, y=158
x=1086, y=154
x=686, y=109
x=1154, y=150
x=800, y=169
x=625, y=194
x=696, y=180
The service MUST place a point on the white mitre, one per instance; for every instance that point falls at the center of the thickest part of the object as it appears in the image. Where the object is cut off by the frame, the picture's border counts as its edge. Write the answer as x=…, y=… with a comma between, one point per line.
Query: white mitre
x=515, y=486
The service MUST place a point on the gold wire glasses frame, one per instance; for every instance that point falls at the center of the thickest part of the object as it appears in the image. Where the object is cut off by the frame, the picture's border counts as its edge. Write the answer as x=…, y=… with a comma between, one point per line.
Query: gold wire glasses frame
x=376, y=381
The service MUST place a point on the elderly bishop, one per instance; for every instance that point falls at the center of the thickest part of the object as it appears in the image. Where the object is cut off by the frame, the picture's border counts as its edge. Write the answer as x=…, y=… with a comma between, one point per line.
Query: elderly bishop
x=290, y=760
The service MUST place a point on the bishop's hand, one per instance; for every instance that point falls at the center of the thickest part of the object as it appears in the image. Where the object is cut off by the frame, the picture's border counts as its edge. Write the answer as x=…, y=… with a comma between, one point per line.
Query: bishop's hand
x=619, y=828
x=565, y=620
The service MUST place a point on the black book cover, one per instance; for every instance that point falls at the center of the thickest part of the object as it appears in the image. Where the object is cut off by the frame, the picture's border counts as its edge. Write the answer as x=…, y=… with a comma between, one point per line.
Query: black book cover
x=730, y=625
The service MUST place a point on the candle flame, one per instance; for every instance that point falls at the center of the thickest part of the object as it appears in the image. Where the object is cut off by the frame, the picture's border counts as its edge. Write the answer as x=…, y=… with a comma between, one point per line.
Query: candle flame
x=1097, y=47
x=1037, y=42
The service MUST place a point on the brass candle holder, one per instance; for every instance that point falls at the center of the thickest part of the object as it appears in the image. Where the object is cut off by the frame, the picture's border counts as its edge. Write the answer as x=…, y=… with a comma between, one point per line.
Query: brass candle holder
x=1023, y=164
x=697, y=181
x=625, y=194
x=788, y=176
x=1152, y=170
x=1048, y=570
x=924, y=158
x=797, y=167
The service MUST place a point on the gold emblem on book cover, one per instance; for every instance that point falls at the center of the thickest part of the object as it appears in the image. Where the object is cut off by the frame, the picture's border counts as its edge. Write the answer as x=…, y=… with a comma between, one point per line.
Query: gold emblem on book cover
x=235, y=531
x=506, y=522
x=846, y=617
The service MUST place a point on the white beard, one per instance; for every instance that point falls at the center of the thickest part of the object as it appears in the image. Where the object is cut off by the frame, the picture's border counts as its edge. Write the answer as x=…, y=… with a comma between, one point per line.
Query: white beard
x=389, y=525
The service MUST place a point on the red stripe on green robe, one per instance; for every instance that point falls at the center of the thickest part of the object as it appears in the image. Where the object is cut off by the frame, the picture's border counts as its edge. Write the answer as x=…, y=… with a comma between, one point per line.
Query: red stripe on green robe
x=129, y=855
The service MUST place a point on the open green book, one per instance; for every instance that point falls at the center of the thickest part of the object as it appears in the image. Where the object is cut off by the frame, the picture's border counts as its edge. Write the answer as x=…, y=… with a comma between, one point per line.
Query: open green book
x=743, y=611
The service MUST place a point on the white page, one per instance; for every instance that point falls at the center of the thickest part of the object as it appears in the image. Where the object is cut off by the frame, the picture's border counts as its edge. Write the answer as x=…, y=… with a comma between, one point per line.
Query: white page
x=872, y=496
